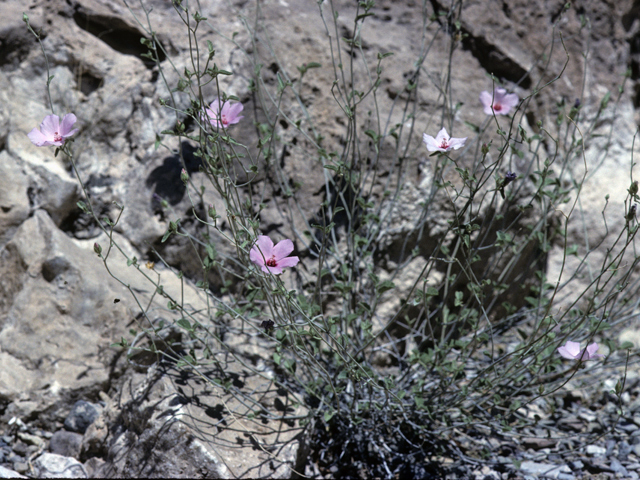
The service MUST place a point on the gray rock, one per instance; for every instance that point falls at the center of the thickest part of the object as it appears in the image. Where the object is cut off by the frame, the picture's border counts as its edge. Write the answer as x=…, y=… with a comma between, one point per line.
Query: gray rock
x=14, y=201
x=623, y=449
x=7, y=473
x=189, y=438
x=595, y=450
x=547, y=469
x=617, y=467
x=21, y=467
x=58, y=313
x=50, y=465
x=566, y=476
x=81, y=416
x=576, y=465
x=94, y=467
x=65, y=443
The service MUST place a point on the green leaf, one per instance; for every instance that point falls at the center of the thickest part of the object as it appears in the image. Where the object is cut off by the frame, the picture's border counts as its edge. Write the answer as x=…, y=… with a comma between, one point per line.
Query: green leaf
x=431, y=292
x=385, y=286
x=328, y=415
x=459, y=299
x=83, y=206
x=184, y=323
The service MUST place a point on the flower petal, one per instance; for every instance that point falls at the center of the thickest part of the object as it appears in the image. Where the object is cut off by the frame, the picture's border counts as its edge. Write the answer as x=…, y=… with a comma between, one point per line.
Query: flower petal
x=430, y=143
x=487, y=101
x=457, y=143
x=66, y=127
x=442, y=135
x=282, y=249
x=37, y=138
x=235, y=109
x=262, y=250
x=50, y=125
x=570, y=350
x=277, y=270
x=590, y=352
x=215, y=107
x=510, y=101
x=288, y=262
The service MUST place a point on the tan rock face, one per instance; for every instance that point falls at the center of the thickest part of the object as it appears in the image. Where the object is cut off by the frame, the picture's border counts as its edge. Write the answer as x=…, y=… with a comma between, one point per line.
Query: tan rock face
x=58, y=315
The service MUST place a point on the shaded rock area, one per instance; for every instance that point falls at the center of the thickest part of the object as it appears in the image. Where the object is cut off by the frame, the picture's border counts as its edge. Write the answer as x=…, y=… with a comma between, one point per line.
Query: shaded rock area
x=75, y=402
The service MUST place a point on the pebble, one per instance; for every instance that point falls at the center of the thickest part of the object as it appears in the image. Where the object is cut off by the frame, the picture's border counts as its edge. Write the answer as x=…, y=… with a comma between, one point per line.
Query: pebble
x=627, y=427
x=547, y=469
x=576, y=465
x=566, y=476
x=21, y=467
x=617, y=467
x=81, y=416
x=587, y=416
x=595, y=450
x=610, y=445
x=624, y=449
x=31, y=439
x=50, y=465
x=8, y=473
x=65, y=443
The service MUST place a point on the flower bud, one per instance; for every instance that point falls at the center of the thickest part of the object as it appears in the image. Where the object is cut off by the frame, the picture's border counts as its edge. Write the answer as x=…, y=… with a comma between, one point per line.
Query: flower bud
x=509, y=177
x=97, y=248
x=632, y=213
x=633, y=189
x=184, y=176
x=212, y=212
x=485, y=149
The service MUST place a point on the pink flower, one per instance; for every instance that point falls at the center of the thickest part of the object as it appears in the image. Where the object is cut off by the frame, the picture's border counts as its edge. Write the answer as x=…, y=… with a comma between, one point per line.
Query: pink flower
x=571, y=350
x=272, y=259
x=52, y=132
x=228, y=115
x=443, y=142
x=499, y=103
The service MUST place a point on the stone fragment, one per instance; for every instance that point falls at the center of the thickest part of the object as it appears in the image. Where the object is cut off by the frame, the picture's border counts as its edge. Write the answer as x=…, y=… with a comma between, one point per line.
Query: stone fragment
x=8, y=473
x=81, y=416
x=190, y=437
x=21, y=467
x=617, y=467
x=538, y=443
x=65, y=443
x=14, y=201
x=94, y=466
x=546, y=469
x=50, y=465
x=595, y=450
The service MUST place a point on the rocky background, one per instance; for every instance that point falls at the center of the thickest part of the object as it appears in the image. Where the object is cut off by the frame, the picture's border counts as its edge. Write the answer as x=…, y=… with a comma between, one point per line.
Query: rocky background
x=70, y=403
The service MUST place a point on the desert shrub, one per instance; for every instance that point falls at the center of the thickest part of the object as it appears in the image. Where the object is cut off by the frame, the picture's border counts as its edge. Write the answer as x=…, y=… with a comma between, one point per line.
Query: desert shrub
x=418, y=307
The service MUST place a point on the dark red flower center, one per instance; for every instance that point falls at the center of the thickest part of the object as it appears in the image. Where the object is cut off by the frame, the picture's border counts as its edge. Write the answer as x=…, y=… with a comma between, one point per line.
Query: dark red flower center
x=497, y=107
x=57, y=137
x=271, y=262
